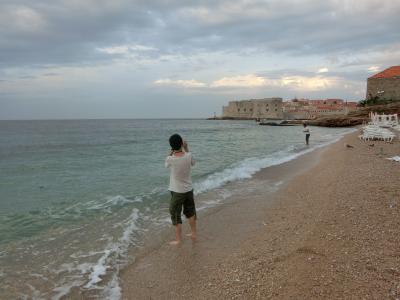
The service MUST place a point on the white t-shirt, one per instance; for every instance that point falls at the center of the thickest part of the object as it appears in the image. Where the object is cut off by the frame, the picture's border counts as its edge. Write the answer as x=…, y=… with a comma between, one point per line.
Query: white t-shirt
x=180, y=179
x=306, y=130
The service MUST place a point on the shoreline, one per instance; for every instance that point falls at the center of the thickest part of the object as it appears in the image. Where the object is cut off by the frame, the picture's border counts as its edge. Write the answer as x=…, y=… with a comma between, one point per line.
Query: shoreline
x=265, y=182
x=238, y=237
x=218, y=234
x=78, y=258
x=209, y=203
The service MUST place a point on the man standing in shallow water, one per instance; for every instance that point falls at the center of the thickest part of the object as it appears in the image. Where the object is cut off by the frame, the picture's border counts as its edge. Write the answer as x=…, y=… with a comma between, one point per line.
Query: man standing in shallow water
x=306, y=130
x=180, y=162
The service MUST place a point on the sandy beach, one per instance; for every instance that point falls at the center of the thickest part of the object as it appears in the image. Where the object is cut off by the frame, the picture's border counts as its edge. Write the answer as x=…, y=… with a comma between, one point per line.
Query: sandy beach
x=328, y=229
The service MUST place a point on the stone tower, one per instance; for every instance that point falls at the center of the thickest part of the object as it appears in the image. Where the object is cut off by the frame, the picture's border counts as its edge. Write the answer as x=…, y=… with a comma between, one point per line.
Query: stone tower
x=385, y=85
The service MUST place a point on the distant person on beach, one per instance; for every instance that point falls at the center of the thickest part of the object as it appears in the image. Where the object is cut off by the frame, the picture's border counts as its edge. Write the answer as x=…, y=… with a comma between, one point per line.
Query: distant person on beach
x=306, y=130
x=180, y=162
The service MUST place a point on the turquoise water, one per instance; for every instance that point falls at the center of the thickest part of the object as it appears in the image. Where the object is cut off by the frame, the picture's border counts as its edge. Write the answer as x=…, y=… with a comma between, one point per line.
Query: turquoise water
x=76, y=195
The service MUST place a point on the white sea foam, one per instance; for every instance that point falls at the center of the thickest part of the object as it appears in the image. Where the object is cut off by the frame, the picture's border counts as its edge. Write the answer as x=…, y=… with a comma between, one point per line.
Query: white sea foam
x=39, y=276
x=112, y=257
x=65, y=267
x=114, y=201
x=65, y=289
x=242, y=170
x=394, y=158
x=35, y=294
x=217, y=199
x=112, y=290
x=84, y=268
x=112, y=253
x=84, y=255
x=99, y=268
x=246, y=168
x=110, y=260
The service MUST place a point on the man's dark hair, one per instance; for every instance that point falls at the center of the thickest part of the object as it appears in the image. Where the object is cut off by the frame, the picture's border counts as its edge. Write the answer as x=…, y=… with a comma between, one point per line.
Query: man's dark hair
x=175, y=141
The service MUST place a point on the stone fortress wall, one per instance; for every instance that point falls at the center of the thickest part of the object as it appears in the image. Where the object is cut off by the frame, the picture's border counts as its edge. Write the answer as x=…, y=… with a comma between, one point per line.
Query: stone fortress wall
x=266, y=108
x=384, y=88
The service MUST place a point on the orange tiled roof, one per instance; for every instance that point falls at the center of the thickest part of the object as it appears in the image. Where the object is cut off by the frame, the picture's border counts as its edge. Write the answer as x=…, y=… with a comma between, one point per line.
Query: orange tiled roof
x=388, y=73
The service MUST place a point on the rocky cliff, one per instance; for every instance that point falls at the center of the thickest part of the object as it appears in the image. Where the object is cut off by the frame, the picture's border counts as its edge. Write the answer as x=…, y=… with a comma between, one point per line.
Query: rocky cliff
x=356, y=117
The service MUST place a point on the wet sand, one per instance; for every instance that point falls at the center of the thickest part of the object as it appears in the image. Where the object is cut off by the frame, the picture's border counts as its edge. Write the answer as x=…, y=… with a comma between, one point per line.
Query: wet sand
x=324, y=226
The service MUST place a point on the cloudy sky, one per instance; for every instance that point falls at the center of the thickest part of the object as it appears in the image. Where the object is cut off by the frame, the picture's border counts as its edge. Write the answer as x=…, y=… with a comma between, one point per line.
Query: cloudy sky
x=166, y=58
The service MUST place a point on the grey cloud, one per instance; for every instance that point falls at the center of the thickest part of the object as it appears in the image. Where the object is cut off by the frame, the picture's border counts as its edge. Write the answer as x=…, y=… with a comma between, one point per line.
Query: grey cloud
x=383, y=56
x=51, y=74
x=356, y=75
x=26, y=77
x=277, y=74
x=305, y=33
x=70, y=31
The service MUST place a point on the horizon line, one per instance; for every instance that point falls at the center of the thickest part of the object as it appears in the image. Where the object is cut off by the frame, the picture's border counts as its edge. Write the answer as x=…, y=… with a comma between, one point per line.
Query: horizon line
x=87, y=119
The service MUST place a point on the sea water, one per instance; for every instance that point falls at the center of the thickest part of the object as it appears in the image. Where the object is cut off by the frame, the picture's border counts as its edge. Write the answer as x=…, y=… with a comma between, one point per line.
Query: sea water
x=76, y=196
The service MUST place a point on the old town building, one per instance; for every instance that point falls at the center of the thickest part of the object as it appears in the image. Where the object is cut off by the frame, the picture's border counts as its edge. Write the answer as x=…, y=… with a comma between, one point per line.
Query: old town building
x=311, y=109
x=275, y=108
x=267, y=108
x=385, y=85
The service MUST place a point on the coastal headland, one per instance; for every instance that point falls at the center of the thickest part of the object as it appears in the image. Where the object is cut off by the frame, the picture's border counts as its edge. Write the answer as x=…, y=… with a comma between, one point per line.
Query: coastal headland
x=383, y=96
x=328, y=230
x=353, y=118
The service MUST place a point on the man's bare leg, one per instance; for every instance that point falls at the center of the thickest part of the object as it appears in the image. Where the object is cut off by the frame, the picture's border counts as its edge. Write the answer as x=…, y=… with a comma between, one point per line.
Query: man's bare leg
x=192, y=223
x=178, y=235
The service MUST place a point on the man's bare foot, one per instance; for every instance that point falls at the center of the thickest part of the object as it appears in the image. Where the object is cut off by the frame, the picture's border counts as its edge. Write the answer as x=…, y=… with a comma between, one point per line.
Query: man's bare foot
x=174, y=243
x=192, y=236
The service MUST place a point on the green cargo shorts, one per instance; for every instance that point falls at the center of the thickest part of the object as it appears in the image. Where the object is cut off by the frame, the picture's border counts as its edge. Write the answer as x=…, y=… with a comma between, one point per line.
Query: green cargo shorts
x=179, y=200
